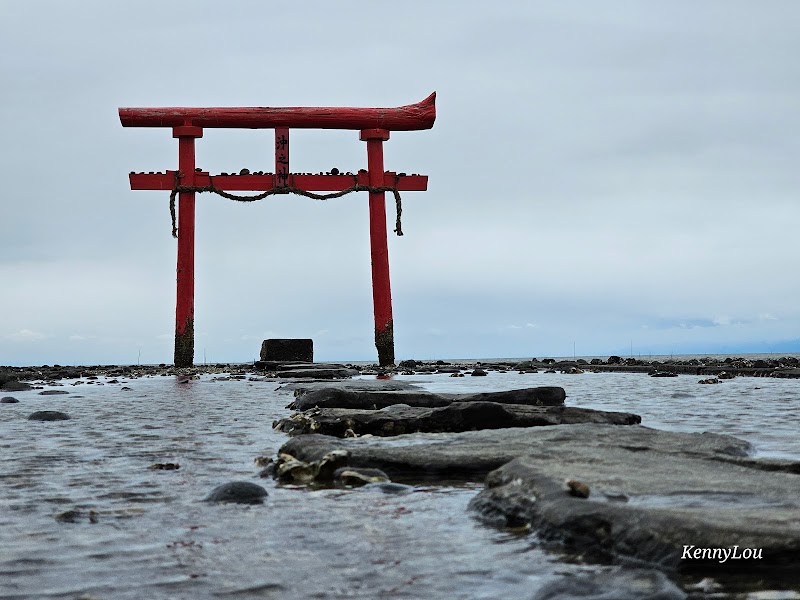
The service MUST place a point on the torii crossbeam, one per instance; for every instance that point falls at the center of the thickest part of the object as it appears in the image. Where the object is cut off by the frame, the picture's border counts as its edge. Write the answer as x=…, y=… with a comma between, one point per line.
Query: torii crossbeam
x=374, y=125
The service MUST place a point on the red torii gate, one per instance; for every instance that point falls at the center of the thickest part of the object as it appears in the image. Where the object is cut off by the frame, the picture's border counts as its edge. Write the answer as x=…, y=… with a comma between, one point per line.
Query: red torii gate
x=374, y=125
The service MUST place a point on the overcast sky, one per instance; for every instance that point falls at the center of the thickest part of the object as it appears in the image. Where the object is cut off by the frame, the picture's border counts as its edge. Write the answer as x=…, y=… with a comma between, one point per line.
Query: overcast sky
x=605, y=178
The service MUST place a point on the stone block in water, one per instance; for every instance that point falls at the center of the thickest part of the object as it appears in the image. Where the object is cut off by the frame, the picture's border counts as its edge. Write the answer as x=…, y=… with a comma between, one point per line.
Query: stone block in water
x=288, y=350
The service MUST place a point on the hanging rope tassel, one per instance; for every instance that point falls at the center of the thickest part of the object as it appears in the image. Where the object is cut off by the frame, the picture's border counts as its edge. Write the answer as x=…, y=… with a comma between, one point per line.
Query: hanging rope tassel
x=288, y=189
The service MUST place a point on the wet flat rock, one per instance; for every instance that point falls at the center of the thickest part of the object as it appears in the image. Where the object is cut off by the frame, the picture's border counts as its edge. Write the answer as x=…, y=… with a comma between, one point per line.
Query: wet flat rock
x=387, y=385
x=473, y=454
x=653, y=494
x=455, y=417
x=366, y=399
x=305, y=370
x=319, y=373
x=677, y=506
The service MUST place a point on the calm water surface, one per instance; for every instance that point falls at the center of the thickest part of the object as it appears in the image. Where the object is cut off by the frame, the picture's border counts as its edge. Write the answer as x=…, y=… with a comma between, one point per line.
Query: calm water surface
x=153, y=537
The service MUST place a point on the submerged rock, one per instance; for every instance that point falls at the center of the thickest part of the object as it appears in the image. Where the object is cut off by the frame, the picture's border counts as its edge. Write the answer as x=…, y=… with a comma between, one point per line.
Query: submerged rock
x=240, y=492
x=76, y=515
x=388, y=487
x=48, y=415
x=355, y=476
x=339, y=397
x=578, y=489
x=16, y=386
x=8, y=400
x=621, y=584
x=458, y=416
x=320, y=373
x=345, y=397
x=332, y=468
x=288, y=469
x=164, y=467
x=331, y=464
x=303, y=387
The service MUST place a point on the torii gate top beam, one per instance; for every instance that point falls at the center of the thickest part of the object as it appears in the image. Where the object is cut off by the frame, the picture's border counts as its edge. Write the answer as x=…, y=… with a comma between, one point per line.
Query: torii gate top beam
x=401, y=118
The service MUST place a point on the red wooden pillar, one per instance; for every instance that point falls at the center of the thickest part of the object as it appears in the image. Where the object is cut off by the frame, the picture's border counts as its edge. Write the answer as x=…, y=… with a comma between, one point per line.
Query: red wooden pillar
x=281, y=156
x=184, y=306
x=379, y=248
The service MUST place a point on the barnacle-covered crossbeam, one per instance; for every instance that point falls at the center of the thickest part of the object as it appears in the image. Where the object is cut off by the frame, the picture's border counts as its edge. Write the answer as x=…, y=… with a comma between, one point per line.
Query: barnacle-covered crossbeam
x=267, y=181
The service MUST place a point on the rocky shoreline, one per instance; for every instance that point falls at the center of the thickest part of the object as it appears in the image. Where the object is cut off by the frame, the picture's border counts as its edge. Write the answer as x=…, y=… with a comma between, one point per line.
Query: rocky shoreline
x=351, y=411
x=600, y=487
x=594, y=485
x=784, y=367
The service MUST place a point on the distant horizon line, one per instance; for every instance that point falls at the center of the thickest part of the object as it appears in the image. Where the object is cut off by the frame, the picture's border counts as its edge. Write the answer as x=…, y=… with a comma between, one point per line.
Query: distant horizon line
x=433, y=360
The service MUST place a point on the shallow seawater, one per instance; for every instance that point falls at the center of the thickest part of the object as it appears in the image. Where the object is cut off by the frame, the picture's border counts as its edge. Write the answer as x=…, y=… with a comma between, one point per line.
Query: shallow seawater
x=142, y=533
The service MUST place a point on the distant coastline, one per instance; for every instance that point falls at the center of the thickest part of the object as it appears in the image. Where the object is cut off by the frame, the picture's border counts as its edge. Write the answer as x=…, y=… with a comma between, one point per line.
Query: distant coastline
x=756, y=365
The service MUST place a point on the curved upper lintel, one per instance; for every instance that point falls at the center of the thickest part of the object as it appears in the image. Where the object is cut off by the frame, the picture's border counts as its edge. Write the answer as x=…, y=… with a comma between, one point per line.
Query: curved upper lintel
x=401, y=118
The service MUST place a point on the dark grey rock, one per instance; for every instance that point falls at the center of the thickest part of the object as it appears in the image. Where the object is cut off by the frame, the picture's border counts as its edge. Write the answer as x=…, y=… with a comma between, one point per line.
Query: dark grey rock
x=468, y=455
x=48, y=415
x=320, y=373
x=534, y=396
x=5, y=377
x=8, y=400
x=240, y=492
x=459, y=416
x=16, y=386
x=303, y=387
x=621, y=584
x=340, y=397
x=76, y=515
x=344, y=397
x=478, y=373
x=53, y=392
x=358, y=476
x=288, y=350
x=388, y=487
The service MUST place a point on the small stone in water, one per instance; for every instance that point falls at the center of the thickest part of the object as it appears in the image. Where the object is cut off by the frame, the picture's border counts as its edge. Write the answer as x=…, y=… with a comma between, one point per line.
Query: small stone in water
x=623, y=584
x=48, y=415
x=241, y=492
x=389, y=487
x=164, y=467
x=578, y=489
x=8, y=400
x=356, y=476
x=74, y=515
